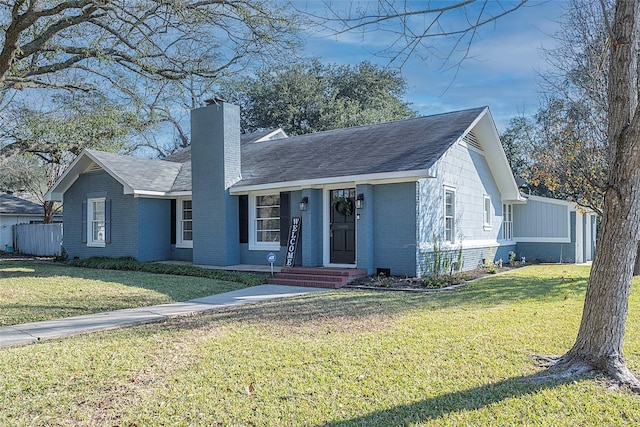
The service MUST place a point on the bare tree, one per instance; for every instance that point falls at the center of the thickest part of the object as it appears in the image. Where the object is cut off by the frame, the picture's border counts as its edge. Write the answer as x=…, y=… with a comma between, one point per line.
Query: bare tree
x=414, y=29
x=155, y=55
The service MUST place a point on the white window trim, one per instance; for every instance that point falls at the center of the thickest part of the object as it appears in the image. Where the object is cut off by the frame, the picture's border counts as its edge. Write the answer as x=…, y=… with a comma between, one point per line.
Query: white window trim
x=90, y=242
x=507, y=207
x=254, y=245
x=444, y=215
x=180, y=242
x=486, y=213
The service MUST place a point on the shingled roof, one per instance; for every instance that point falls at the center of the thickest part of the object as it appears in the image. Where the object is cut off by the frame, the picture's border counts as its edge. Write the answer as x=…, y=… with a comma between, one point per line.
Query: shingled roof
x=138, y=174
x=393, y=147
x=10, y=204
x=406, y=145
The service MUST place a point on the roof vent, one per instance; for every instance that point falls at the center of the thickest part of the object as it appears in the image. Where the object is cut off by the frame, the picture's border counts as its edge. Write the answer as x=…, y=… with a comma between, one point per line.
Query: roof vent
x=93, y=167
x=472, y=141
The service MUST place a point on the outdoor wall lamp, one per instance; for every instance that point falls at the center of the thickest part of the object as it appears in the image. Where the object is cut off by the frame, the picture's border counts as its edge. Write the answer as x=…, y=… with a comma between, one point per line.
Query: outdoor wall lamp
x=303, y=203
x=360, y=201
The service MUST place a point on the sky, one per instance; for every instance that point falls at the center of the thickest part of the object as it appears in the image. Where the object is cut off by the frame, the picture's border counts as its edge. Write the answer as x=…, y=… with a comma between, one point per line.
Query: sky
x=502, y=71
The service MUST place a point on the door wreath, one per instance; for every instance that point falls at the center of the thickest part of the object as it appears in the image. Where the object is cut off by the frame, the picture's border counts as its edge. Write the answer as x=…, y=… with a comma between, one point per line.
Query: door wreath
x=342, y=205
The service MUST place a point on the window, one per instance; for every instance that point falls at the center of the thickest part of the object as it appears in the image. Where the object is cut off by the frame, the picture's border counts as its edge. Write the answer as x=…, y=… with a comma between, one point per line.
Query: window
x=184, y=219
x=487, y=212
x=449, y=214
x=507, y=221
x=265, y=222
x=96, y=222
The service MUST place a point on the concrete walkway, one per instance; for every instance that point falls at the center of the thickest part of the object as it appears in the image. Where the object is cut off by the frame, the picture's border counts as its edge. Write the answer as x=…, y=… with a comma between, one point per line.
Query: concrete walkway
x=50, y=329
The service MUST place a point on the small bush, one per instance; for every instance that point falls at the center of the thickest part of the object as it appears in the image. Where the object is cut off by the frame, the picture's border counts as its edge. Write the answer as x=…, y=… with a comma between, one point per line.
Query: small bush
x=62, y=256
x=130, y=264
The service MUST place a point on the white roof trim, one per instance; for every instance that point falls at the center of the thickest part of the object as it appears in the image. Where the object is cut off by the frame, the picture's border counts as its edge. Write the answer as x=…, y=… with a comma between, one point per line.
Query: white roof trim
x=84, y=160
x=485, y=130
x=377, y=178
x=270, y=135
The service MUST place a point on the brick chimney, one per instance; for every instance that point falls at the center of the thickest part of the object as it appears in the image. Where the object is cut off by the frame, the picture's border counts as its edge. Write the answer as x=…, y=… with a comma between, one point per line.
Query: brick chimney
x=215, y=166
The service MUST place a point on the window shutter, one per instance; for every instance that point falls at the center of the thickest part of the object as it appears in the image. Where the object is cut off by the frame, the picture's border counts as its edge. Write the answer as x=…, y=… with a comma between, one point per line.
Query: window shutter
x=173, y=221
x=84, y=222
x=243, y=218
x=107, y=221
x=285, y=217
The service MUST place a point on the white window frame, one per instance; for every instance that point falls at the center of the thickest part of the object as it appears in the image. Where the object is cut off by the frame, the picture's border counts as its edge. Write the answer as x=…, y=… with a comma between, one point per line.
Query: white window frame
x=254, y=244
x=96, y=243
x=486, y=212
x=446, y=238
x=180, y=240
x=507, y=222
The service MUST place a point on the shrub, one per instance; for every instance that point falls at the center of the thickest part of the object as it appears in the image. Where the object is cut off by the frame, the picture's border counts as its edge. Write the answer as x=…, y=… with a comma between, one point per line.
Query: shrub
x=131, y=264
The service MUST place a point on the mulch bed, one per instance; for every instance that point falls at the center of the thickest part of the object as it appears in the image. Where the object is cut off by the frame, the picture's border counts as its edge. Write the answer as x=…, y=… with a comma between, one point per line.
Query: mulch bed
x=416, y=284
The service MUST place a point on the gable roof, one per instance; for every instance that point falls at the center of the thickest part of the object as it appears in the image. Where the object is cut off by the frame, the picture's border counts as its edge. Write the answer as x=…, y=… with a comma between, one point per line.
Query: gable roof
x=10, y=204
x=138, y=176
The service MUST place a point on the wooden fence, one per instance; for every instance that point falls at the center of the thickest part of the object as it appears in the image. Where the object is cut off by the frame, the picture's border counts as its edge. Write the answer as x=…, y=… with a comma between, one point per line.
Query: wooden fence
x=38, y=239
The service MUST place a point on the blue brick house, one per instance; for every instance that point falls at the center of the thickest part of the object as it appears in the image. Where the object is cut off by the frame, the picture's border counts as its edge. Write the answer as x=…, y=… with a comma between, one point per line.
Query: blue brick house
x=377, y=197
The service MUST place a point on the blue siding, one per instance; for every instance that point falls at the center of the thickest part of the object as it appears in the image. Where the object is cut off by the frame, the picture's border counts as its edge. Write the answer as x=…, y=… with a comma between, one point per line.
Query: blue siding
x=550, y=251
x=181, y=254
x=365, y=237
x=154, y=217
x=124, y=217
x=467, y=172
x=259, y=257
x=540, y=219
x=311, y=242
x=394, y=213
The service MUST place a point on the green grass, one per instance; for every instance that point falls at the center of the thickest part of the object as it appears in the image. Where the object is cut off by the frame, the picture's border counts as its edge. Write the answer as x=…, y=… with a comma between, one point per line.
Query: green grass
x=129, y=264
x=340, y=358
x=32, y=291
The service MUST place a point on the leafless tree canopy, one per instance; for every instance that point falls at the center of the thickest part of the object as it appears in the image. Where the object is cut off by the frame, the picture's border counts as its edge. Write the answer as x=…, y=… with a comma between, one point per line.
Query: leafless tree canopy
x=78, y=43
x=417, y=28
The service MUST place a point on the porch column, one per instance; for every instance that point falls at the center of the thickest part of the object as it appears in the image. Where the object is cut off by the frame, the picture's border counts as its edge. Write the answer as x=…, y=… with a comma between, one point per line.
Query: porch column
x=311, y=227
x=364, y=229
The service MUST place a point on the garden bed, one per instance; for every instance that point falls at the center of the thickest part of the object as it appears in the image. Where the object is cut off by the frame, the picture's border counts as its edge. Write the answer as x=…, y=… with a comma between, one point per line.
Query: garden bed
x=438, y=283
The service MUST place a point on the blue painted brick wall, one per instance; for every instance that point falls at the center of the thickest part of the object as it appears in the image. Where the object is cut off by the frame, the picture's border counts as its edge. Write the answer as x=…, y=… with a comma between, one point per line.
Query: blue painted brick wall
x=395, y=228
x=124, y=217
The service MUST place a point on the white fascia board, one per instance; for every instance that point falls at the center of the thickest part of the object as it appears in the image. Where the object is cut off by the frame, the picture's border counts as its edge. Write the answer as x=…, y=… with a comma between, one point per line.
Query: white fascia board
x=542, y=239
x=268, y=136
x=570, y=204
x=62, y=184
x=487, y=133
x=160, y=194
x=377, y=178
x=78, y=166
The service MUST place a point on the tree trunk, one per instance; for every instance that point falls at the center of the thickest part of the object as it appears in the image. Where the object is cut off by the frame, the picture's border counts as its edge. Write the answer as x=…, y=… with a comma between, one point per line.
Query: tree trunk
x=601, y=335
x=636, y=267
x=48, y=212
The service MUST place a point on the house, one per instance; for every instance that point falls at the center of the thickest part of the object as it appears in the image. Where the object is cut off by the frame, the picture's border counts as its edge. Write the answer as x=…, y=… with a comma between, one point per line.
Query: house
x=374, y=197
x=15, y=210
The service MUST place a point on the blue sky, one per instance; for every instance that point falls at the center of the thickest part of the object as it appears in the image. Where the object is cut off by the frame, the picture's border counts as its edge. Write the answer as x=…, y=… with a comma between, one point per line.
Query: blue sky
x=506, y=57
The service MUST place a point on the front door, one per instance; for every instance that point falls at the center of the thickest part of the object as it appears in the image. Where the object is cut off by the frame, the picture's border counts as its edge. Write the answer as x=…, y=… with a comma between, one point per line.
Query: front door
x=342, y=226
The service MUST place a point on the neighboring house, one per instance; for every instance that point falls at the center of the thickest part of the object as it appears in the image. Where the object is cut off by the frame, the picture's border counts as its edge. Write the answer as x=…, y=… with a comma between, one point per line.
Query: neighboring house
x=371, y=196
x=15, y=210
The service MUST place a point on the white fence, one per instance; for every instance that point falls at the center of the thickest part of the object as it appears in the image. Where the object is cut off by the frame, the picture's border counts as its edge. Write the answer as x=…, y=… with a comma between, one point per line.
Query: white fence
x=38, y=239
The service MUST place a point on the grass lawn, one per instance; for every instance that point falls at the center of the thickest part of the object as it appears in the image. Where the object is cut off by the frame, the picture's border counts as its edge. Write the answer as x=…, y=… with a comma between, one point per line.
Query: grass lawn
x=340, y=358
x=32, y=291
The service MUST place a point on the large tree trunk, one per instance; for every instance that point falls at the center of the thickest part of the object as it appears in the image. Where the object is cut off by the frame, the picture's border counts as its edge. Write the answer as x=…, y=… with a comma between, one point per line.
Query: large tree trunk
x=601, y=335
